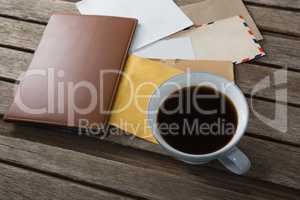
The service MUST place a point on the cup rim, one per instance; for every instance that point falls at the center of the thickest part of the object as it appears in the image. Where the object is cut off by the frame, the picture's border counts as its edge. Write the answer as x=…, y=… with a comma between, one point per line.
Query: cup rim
x=233, y=142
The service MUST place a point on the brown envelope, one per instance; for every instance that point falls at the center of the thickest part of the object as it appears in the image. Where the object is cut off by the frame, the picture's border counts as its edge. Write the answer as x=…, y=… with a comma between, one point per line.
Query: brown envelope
x=207, y=11
x=220, y=68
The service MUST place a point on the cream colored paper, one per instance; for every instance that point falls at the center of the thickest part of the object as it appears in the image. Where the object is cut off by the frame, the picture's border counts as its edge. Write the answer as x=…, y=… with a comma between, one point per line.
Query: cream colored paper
x=212, y=10
x=228, y=39
x=142, y=77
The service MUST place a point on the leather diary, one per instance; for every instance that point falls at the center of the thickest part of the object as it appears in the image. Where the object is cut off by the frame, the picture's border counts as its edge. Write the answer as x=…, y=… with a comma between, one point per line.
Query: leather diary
x=74, y=74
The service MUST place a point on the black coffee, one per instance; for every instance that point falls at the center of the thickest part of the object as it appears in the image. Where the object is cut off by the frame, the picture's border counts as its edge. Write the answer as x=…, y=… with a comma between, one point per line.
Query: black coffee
x=197, y=120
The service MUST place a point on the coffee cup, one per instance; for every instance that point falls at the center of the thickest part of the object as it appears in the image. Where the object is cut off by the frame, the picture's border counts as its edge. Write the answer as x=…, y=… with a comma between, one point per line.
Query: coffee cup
x=228, y=154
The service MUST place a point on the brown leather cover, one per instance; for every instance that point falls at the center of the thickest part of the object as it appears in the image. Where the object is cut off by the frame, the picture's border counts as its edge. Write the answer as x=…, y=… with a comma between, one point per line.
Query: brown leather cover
x=73, y=52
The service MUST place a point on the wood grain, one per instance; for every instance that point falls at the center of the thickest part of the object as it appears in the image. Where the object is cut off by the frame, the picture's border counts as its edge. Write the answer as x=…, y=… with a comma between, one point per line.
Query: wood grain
x=139, y=170
x=19, y=184
x=281, y=52
x=20, y=34
x=269, y=19
x=249, y=77
x=261, y=153
x=267, y=109
x=281, y=155
x=107, y=173
x=13, y=63
x=286, y=4
x=35, y=10
x=156, y=179
x=7, y=92
x=276, y=20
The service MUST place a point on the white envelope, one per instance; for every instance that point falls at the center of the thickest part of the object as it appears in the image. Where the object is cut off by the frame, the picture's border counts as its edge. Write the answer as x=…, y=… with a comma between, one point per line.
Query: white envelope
x=177, y=48
x=157, y=18
x=228, y=39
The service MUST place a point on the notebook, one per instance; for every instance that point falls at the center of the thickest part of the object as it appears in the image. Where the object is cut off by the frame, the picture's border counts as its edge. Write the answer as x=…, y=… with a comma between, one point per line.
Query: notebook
x=75, y=71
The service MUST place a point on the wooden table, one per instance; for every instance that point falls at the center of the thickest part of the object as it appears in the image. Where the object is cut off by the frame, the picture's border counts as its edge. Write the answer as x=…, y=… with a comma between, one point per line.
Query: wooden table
x=42, y=163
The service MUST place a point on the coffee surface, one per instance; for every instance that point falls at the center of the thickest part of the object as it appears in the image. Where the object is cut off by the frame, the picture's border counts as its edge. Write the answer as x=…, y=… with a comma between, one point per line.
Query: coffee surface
x=197, y=120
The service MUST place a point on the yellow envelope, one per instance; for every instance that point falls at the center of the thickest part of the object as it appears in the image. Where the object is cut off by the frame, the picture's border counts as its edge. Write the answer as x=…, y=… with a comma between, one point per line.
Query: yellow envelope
x=140, y=79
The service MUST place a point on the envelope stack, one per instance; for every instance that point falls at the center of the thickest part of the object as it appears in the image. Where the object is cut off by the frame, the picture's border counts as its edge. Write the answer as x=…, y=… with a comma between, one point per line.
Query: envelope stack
x=207, y=30
x=208, y=36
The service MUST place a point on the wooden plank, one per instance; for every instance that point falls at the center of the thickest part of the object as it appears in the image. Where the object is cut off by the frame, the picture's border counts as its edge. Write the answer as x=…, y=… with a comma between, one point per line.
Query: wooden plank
x=20, y=34
x=259, y=149
x=263, y=165
x=13, y=63
x=290, y=4
x=267, y=109
x=161, y=182
x=261, y=153
x=269, y=19
x=17, y=184
x=286, y=4
x=106, y=173
x=281, y=52
x=249, y=76
x=7, y=92
x=276, y=20
x=35, y=10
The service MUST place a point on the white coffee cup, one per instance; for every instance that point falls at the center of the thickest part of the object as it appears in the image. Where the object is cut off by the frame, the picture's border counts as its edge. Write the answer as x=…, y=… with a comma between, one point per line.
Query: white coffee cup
x=230, y=156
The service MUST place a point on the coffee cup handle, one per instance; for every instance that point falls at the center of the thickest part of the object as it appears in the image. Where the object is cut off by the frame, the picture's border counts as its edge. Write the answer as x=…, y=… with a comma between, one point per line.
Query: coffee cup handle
x=236, y=161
